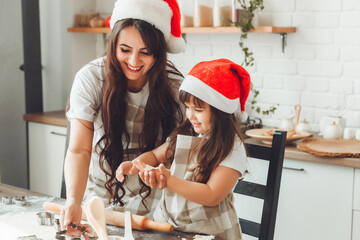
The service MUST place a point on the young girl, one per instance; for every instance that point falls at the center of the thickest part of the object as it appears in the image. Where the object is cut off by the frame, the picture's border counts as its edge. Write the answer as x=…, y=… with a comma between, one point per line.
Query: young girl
x=206, y=153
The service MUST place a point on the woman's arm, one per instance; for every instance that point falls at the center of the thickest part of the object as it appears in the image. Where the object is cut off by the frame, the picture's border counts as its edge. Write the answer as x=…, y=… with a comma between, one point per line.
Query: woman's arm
x=76, y=169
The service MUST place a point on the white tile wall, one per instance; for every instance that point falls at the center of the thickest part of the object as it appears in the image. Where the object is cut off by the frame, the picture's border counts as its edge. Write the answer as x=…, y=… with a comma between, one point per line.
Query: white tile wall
x=320, y=68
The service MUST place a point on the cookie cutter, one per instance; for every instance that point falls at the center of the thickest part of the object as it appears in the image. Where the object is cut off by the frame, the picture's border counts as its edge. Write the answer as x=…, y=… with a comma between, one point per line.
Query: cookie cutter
x=17, y=200
x=7, y=200
x=61, y=234
x=45, y=218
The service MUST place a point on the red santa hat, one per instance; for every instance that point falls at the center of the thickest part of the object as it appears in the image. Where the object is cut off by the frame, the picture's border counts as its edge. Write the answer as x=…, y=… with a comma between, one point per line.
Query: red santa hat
x=163, y=14
x=220, y=83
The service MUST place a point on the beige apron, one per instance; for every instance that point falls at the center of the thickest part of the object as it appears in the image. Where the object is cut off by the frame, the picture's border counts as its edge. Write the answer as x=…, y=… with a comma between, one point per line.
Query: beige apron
x=96, y=182
x=188, y=216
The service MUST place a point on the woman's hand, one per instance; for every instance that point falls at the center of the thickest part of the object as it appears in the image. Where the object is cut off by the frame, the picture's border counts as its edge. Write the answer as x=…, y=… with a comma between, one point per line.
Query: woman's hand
x=125, y=168
x=155, y=178
x=71, y=212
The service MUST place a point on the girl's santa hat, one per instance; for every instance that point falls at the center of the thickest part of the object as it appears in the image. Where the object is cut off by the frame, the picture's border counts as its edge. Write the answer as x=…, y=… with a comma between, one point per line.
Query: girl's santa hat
x=220, y=83
x=163, y=14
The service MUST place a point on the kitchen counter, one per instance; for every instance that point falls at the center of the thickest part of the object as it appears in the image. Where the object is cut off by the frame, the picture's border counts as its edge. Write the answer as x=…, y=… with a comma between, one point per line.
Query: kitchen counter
x=15, y=218
x=57, y=118
x=291, y=152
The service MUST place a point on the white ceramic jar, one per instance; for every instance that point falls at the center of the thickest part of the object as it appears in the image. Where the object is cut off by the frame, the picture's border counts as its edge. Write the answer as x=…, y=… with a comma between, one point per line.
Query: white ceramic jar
x=333, y=130
x=303, y=126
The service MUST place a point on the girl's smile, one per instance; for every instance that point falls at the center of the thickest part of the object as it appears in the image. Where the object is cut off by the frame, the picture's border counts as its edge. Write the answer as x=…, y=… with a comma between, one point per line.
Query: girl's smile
x=199, y=116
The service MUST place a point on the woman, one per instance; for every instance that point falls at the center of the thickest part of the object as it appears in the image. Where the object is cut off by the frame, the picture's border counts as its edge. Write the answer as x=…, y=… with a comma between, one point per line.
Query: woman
x=121, y=105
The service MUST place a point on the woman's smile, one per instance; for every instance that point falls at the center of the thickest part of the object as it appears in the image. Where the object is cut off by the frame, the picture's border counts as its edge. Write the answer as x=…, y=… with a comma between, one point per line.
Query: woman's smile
x=133, y=69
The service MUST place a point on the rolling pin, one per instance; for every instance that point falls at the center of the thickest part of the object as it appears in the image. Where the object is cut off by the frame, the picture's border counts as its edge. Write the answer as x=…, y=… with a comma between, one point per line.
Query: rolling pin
x=118, y=219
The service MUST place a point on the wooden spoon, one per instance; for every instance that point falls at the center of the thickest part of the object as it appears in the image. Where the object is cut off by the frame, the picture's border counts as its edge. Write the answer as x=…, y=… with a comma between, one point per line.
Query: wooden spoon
x=297, y=115
x=95, y=214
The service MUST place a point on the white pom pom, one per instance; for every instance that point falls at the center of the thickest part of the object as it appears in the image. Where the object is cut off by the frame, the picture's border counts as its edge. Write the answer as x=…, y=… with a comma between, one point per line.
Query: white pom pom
x=175, y=45
x=241, y=116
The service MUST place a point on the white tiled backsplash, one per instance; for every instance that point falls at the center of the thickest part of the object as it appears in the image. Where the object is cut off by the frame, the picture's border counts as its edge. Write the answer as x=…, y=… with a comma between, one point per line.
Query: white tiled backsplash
x=320, y=68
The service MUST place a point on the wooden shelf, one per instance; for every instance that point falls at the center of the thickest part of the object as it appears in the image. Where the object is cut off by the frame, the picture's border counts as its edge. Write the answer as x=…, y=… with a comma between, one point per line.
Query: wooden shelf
x=258, y=29
x=89, y=30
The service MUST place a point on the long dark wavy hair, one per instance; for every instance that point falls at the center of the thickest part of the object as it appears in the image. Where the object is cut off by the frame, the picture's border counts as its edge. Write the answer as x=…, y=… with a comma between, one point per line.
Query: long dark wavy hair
x=216, y=144
x=162, y=111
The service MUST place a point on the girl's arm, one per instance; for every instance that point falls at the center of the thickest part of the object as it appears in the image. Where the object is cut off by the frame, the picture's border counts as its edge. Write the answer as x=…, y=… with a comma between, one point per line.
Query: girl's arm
x=221, y=182
x=76, y=169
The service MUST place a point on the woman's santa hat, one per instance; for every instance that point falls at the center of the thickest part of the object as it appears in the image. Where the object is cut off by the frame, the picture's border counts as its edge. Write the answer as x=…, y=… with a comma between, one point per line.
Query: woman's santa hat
x=220, y=83
x=163, y=14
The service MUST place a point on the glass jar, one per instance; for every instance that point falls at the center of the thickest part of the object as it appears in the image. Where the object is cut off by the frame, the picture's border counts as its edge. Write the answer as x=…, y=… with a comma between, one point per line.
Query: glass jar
x=222, y=13
x=187, y=13
x=203, y=13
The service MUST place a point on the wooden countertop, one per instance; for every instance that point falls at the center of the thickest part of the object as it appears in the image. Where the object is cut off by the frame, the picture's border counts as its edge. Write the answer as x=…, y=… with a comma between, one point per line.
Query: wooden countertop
x=57, y=118
x=291, y=152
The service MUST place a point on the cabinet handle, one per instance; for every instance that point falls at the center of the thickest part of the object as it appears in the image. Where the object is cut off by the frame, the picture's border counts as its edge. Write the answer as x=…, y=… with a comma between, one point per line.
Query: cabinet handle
x=295, y=169
x=59, y=134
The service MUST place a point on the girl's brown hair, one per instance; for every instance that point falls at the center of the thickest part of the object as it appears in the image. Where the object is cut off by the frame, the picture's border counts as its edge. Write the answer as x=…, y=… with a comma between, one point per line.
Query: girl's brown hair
x=214, y=147
x=162, y=111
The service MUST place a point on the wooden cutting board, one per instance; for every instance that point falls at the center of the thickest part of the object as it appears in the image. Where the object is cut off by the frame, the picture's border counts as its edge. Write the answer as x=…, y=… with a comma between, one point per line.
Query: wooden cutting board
x=331, y=147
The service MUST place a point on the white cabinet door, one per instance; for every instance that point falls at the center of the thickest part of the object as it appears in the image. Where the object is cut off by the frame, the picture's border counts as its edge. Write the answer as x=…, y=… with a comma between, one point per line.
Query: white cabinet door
x=356, y=226
x=356, y=205
x=315, y=202
x=46, y=157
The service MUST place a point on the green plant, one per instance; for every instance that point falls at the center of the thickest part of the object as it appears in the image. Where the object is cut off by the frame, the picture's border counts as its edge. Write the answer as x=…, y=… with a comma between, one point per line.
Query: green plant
x=254, y=102
x=243, y=21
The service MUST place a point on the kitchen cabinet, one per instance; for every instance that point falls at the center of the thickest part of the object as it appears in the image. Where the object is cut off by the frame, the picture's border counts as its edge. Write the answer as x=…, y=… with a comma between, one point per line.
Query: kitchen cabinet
x=315, y=200
x=46, y=157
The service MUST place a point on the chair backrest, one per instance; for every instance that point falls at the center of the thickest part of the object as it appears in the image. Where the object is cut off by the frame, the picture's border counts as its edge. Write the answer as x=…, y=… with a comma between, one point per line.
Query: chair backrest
x=63, y=186
x=269, y=192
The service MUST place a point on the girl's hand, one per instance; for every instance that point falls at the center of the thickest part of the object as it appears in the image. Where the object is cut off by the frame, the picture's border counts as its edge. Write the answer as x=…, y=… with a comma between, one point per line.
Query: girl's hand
x=71, y=212
x=125, y=168
x=155, y=178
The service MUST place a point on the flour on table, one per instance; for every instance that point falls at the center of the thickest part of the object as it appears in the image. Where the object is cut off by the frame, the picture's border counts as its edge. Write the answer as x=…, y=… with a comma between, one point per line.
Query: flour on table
x=14, y=225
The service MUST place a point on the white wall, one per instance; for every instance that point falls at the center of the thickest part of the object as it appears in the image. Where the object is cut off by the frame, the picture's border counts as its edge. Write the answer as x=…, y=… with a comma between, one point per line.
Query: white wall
x=320, y=68
x=12, y=96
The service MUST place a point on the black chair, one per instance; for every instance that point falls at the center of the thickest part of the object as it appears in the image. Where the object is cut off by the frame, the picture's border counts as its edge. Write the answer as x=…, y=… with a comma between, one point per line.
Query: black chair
x=269, y=192
x=63, y=187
